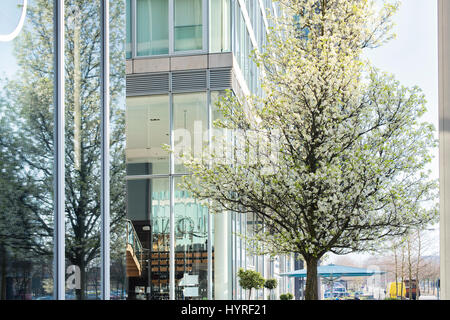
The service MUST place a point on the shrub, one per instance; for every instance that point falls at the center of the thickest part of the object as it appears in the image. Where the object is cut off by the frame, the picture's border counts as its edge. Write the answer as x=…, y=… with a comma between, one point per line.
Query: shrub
x=286, y=296
x=249, y=279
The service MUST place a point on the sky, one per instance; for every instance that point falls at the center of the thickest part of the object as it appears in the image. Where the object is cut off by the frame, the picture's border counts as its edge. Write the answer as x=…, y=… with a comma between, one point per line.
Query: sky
x=413, y=58
x=9, y=17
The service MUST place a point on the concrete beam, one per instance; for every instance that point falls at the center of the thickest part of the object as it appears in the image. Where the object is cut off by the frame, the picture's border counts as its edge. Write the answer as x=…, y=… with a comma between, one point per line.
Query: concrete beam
x=145, y=65
x=189, y=62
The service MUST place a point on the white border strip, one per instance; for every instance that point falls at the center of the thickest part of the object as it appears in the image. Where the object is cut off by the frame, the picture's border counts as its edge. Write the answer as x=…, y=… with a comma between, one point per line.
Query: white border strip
x=15, y=33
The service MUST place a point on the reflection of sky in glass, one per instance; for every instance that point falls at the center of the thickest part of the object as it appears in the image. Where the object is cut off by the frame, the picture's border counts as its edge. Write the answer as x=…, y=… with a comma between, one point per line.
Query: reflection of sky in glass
x=10, y=11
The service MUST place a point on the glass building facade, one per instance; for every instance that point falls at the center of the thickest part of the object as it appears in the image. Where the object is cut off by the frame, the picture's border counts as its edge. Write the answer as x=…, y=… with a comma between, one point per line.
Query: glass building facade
x=181, y=56
x=90, y=92
x=62, y=149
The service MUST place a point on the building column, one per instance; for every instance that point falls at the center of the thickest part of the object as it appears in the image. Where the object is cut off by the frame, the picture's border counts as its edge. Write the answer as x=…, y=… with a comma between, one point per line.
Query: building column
x=105, y=141
x=444, y=144
x=59, y=148
x=221, y=279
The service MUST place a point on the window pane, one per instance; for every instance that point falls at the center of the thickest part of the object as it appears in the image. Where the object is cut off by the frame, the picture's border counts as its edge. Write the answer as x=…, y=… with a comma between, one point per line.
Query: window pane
x=190, y=123
x=117, y=170
x=152, y=27
x=149, y=213
x=216, y=113
x=160, y=238
x=128, y=44
x=83, y=145
x=26, y=151
x=147, y=123
x=220, y=29
x=191, y=257
x=188, y=25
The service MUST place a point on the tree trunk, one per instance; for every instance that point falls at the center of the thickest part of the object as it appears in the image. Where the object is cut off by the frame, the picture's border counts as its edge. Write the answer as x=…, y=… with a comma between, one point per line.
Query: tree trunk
x=77, y=93
x=311, y=290
x=3, y=276
x=396, y=273
x=409, y=270
x=402, y=271
x=81, y=293
x=419, y=252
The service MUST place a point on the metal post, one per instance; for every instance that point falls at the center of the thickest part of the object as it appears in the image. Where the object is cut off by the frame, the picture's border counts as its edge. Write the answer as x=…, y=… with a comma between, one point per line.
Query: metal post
x=172, y=198
x=58, y=137
x=105, y=199
x=150, y=241
x=210, y=240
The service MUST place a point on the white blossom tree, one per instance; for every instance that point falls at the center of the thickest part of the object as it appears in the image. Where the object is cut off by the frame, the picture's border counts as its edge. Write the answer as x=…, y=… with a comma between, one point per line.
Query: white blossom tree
x=332, y=158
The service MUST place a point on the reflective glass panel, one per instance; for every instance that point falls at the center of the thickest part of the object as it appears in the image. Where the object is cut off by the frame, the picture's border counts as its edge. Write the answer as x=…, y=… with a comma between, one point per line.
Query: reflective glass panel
x=152, y=27
x=26, y=150
x=148, y=246
x=191, y=255
x=188, y=25
x=147, y=123
x=128, y=23
x=220, y=27
x=190, y=116
x=160, y=216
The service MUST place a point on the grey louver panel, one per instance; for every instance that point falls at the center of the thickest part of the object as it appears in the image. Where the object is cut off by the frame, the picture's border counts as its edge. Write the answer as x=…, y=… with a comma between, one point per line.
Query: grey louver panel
x=155, y=83
x=143, y=84
x=189, y=81
x=220, y=79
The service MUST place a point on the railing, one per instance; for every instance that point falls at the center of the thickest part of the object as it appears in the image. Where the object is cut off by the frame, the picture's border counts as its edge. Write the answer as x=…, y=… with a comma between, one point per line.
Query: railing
x=134, y=242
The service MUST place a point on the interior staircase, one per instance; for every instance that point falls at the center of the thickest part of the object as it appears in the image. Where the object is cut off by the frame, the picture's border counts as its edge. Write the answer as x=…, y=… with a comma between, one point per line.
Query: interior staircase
x=134, y=252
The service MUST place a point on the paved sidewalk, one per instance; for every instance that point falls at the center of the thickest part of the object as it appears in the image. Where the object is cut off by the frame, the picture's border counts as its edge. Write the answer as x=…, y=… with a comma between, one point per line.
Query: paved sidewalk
x=427, y=298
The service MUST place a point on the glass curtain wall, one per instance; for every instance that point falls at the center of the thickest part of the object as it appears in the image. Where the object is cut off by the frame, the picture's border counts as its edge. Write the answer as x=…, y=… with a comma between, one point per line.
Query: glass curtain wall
x=191, y=255
x=27, y=91
x=26, y=150
x=163, y=27
x=243, y=44
x=190, y=122
x=152, y=27
x=147, y=131
x=83, y=147
x=128, y=30
x=188, y=25
x=220, y=25
x=149, y=202
x=160, y=245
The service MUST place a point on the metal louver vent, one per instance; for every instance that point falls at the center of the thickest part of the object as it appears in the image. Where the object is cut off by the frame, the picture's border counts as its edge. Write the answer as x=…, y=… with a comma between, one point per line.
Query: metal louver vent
x=220, y=79
x=143, y=84
x=156, y=83
x=189, y=81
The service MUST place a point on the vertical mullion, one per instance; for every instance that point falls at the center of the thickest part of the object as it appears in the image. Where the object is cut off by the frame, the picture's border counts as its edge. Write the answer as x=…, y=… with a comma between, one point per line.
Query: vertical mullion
x=133, y=29
x=233, y=34
x=172, y=240
x=205, y=21
x=58, y=136
x=210, y=239
x=171, y=27
x=105, y=111
x=172, y=200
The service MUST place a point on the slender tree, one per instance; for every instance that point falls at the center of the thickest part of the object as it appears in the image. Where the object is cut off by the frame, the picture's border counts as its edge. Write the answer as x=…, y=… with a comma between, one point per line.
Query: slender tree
x=332, y=158
x=270, y=284
x=250, y=279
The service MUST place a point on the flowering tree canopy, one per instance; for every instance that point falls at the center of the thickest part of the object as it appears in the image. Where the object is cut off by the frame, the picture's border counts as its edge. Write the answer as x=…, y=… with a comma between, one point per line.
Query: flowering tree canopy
x=333, y=156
